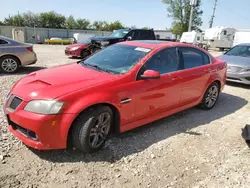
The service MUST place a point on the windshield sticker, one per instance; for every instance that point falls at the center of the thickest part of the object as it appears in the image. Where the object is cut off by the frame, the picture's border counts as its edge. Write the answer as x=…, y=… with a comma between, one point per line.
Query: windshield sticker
x=142, y=49
x=125, y=32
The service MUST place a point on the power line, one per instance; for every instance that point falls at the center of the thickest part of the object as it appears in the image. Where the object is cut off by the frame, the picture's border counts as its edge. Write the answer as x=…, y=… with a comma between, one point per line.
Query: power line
x=213, y=15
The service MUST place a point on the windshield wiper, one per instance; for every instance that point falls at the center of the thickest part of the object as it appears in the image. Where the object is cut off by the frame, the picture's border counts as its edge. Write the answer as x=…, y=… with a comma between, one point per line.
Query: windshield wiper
x=96, y=67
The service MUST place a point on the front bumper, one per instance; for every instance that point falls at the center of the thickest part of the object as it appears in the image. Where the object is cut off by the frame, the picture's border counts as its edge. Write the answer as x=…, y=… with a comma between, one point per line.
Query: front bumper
x=43, y=132
x=76, y=53
x=243, y=77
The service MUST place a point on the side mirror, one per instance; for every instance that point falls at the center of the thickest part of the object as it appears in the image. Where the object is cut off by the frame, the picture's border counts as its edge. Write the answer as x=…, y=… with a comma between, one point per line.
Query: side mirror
x=129, y=38
x=150, y=74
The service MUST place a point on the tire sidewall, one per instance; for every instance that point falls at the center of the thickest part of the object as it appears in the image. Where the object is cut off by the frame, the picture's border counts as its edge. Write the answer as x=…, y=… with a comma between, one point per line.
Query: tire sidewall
x=86, y=126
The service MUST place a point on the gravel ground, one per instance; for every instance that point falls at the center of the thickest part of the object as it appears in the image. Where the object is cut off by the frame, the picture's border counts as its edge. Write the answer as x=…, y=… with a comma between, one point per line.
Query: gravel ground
x=194, y=148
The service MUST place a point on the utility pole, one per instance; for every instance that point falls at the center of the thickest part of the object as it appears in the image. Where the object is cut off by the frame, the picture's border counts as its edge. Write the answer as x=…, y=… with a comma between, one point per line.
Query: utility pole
x=213, y=15
x=193, y=3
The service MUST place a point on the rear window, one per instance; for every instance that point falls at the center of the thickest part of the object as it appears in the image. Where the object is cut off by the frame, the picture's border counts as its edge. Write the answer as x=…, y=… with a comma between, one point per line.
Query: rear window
x=194, y=58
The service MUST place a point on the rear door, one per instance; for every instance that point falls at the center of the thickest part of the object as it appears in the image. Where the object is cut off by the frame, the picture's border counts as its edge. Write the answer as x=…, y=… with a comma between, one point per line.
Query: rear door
x=195, y=74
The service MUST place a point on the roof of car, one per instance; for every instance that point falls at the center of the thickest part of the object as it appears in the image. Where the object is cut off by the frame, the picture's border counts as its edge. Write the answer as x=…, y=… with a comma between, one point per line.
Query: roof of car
x=153, y=44
x=243, y=44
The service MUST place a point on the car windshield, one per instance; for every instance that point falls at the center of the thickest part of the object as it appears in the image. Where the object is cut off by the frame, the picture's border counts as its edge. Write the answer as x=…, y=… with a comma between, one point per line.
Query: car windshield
x=119, y=33
x=241, y=50
x=116, y=59
x=87, y=41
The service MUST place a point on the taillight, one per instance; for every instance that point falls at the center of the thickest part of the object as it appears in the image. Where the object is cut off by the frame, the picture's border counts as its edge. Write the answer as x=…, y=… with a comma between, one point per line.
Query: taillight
x=30, y=48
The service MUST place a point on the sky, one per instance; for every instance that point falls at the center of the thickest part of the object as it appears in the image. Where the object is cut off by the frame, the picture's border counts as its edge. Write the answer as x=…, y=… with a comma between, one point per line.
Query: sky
x=151, y=13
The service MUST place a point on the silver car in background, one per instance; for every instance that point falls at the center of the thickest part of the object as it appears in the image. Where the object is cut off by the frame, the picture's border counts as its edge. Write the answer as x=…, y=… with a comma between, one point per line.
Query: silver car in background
x=238, y=63
x=15, y=54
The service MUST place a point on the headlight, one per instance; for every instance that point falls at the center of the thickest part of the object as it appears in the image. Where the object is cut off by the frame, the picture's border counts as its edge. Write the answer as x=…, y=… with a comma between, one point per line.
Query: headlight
x=105, y=43
x=44, y=106
x=75, y=48
x=246, y=70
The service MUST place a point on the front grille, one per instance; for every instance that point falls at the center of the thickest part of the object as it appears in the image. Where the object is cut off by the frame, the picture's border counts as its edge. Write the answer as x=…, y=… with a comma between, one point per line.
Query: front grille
x=27, y=133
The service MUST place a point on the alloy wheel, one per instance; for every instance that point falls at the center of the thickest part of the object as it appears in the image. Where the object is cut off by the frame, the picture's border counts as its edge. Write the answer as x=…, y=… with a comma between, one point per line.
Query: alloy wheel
x=212, y=96
x=100, y=130
x=9, y=65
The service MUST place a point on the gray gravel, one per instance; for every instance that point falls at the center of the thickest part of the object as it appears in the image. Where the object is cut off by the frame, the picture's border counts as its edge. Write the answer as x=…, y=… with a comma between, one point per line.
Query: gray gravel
x=194, y=148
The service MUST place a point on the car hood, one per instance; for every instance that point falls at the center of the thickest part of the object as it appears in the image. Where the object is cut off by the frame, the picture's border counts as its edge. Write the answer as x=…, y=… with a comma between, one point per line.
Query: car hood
x=57, y=81
x=104, y=38
x=237, y=60
x=77, y=45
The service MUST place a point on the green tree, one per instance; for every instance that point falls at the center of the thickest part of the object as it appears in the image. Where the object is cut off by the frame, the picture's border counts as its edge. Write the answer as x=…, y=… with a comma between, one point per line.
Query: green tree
x=52, y=20
x=31, y=19
x=100, y=25
x=16, y=20
x=146, y=28
x=1, y=23
x=71, y=23
x=82, y=24
x=179, y=11
x=115, y=25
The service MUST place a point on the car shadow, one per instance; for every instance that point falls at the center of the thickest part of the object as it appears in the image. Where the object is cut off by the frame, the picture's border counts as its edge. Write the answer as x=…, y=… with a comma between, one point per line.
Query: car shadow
x=140, y=139
x=24, y=70
x=74, y=57
x=233, y=84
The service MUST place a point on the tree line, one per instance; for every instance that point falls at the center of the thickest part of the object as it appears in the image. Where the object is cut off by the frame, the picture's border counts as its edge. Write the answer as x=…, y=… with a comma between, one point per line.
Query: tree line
x=52, y=19
x=178, y=10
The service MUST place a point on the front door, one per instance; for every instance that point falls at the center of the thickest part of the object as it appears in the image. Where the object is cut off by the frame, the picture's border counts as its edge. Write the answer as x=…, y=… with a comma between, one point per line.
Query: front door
x=158, y=95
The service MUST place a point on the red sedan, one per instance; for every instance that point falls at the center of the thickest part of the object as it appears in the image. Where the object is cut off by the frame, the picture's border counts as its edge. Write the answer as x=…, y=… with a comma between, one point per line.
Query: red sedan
x=122, y=87
x=77, y=50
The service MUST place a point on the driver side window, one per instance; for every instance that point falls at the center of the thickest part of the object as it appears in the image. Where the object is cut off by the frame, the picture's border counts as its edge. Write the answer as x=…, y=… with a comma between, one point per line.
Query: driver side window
x=165, y=61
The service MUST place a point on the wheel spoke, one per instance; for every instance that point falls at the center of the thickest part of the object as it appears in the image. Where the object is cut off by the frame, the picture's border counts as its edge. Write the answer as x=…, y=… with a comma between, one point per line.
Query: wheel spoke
x=214, y=98
x=95, y=140
x=101, y=119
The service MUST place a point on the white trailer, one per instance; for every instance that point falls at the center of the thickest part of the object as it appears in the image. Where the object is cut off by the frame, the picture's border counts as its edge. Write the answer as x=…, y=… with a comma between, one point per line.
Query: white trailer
x=241, y=36
x=192, y=37
x=219, y=37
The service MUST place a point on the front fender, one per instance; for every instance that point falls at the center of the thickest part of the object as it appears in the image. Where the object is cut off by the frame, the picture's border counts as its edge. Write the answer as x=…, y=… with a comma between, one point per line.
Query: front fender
x=78, y=104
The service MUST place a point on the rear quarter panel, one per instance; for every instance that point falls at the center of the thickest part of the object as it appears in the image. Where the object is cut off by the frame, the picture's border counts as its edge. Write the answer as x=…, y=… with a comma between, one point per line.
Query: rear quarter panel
x=218, y=71
x=24, y=55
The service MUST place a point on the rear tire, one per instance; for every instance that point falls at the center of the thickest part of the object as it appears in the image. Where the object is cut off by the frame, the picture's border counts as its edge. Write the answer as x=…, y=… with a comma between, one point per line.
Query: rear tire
x=210, y=97
x=92, y=128
x=9, y=64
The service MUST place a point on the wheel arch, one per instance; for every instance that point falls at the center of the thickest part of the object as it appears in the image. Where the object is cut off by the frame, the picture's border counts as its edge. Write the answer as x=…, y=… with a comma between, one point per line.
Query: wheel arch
x=11, y=55
x=116, y=119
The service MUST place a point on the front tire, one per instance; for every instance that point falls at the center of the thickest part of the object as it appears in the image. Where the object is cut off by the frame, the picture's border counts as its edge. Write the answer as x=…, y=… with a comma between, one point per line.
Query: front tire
x=211, y=96
x=92, y=128
x=84, y=54
x=9, y=64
